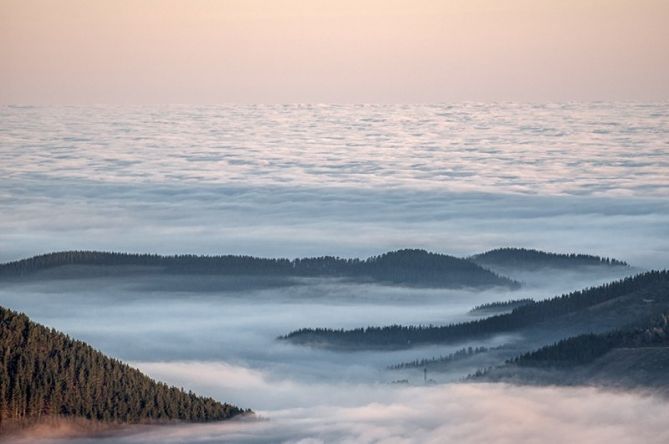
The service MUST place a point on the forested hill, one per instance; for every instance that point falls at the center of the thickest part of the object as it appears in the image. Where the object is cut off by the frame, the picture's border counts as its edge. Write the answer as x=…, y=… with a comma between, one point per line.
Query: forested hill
x=406, y=267
x=535, y=259
x=45, y=373
x=586, y=348
x=627, y=299
x=637, y=357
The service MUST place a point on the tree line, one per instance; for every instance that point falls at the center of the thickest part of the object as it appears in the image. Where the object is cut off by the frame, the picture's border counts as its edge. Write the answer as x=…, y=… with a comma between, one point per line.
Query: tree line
x=458, y=355
x=500, y=306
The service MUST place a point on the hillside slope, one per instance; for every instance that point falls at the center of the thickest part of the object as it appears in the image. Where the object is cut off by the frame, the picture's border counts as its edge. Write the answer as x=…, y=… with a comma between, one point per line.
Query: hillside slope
x=45, y=373
x=597, y=309
x=637, y=357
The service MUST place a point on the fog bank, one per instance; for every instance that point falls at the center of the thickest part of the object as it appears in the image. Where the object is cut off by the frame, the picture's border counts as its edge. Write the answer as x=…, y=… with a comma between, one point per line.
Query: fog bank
x=463, y=413
x=338, y=180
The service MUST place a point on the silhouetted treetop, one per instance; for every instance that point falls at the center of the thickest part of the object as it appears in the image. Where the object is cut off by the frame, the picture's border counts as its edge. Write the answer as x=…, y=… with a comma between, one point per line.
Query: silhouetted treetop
x=497, y=307
x=457, y=355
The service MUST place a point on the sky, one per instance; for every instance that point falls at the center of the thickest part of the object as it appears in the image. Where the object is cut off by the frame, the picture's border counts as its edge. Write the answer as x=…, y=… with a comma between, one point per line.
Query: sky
x=326, y=51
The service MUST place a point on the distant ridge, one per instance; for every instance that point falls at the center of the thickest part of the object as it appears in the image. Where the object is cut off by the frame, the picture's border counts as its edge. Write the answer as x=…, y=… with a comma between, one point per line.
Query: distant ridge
x=535, y=259
x=44, y=373
x=411, y=267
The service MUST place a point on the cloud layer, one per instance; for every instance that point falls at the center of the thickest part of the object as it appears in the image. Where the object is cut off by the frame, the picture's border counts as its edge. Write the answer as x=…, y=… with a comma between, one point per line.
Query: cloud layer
x=464, y=413
x=577, y=149
x=345, y=180
x=350, y=181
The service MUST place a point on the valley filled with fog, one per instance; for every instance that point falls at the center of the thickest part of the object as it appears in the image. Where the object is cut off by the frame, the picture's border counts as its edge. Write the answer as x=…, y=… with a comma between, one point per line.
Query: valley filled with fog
x=349, y=181
x=217, y=336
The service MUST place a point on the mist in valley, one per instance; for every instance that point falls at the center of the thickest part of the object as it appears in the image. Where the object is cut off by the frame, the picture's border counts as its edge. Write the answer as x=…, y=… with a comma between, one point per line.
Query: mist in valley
x=217, y=336
x=467, y=413
x=349, y=181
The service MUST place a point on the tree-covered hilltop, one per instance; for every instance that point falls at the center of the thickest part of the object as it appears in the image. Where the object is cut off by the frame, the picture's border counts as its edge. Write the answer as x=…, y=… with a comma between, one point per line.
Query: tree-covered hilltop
x=45, y=373
x=498, y=307
x=651, y=287
x=534, y=259
x=405, y=267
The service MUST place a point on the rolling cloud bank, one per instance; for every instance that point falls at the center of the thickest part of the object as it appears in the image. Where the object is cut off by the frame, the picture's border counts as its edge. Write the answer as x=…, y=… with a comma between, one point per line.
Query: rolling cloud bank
x=344, y=180
x=467, y=413
x=353, y=181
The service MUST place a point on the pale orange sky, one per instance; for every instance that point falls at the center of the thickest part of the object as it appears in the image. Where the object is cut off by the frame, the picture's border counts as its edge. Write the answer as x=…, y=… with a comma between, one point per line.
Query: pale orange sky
x=344, y=51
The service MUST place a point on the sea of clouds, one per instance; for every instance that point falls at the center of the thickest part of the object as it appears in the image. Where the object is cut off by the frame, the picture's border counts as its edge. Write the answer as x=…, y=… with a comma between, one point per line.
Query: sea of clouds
x=464, y=413
x=343, y=180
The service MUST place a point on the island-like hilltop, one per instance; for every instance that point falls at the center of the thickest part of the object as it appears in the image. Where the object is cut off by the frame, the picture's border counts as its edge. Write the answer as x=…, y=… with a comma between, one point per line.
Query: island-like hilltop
x=407, y=267
x=410, y=267
x=530, y=259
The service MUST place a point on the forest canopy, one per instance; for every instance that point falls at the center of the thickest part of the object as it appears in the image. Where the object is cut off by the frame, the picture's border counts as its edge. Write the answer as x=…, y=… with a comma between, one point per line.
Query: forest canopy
x=46, y=373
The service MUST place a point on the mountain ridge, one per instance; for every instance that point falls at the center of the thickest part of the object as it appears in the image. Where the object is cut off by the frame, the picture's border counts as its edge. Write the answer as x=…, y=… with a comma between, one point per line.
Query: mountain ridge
x=412, y=267
x=563, y=309
x=409, y=266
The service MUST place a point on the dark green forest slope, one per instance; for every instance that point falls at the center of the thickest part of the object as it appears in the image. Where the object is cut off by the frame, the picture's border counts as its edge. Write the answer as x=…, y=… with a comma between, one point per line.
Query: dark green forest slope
x=625, y=358
x=45, y=373
x=406, y=267
x=583, y=349
x=613, y=304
